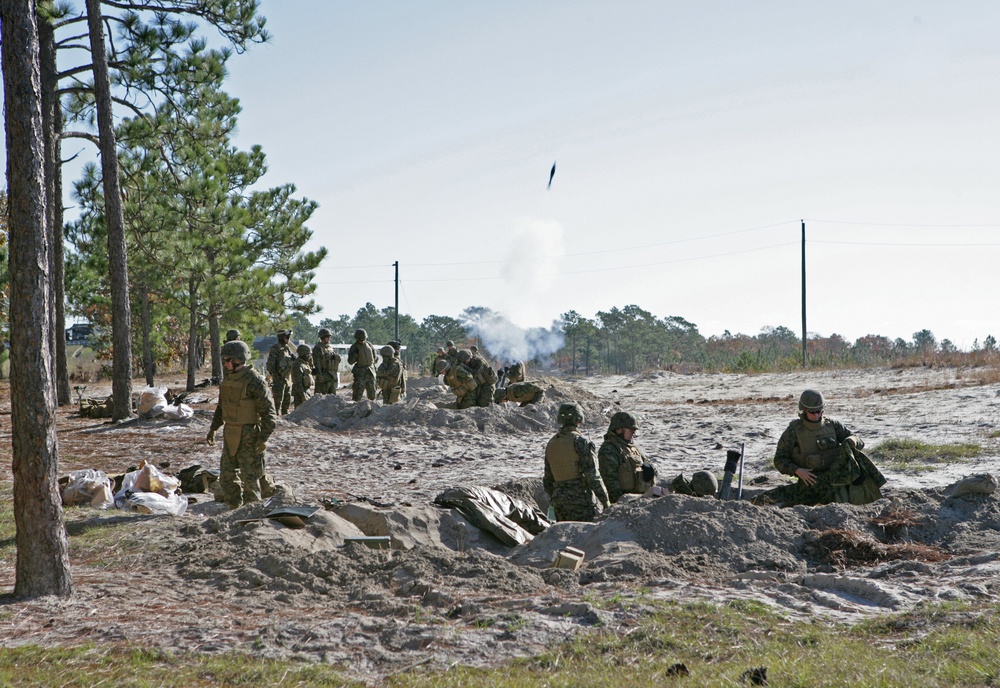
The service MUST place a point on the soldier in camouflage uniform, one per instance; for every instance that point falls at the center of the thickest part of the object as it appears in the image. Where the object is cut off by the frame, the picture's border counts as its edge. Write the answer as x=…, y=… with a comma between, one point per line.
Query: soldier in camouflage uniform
x=362, y=356
x=389, y=375
x=460, y=380
x=624, y=468
x=522, y=393
x=246, y=414
x=279, y=366
x=515, y=372
x=571, y=480
x=327, y=364
x=825, y=457
x=397, y=347
x=302, y=377
x=485, y=376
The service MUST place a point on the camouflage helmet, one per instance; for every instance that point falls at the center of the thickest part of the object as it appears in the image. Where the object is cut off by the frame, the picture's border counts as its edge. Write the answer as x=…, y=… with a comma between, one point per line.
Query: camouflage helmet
x=440, y=366
x=464, y=356
x=622, y=419
x=811, y=400
x=449, y=344
x=284, y=333
x=236, y=349
x=704, y=484
x=232, y=335
x=324, y=333
x=360, y=335
x=570, y=413
x=303, y=350
x=474, y=349
x=499, y=396
x=386, y=351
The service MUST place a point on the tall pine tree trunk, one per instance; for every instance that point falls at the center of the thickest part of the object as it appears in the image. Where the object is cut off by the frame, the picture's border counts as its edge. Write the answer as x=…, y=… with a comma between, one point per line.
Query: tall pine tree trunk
x=52, y=123
x=148, y=365
x=216, y=344
x=42, y=551
x=192, y=362
x=121, y=317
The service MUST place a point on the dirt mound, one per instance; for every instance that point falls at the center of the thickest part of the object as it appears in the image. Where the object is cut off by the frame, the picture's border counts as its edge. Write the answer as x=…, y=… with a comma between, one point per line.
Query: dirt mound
x=433, y=407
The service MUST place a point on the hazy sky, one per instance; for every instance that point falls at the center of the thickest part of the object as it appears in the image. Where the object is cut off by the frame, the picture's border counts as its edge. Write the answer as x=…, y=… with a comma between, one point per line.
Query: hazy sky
x=690, y=138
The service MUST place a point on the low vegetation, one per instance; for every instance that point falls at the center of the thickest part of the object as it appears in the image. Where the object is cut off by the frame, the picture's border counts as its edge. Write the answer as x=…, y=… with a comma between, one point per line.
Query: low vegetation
x=915, y=455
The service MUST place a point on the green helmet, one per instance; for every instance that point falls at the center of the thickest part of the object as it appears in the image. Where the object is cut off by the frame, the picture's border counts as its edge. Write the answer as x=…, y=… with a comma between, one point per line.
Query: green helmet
x=284, y=333
x=441, y=366
x=324, y=333
x=704, y=484
x=811, y=400
x=622, y=419
x=303, y=350
x=387, y=351
x=499, y=396
x=232, y=335
x=360, y=335
x=464, y=356
x=570, y=414
x=236, y=349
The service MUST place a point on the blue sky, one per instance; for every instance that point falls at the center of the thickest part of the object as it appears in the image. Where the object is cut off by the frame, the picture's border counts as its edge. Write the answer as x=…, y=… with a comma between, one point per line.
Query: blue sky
x=690, y=139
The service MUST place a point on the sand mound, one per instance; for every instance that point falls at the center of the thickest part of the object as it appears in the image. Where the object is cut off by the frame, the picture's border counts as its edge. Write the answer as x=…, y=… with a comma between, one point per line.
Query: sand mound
x=433, y=407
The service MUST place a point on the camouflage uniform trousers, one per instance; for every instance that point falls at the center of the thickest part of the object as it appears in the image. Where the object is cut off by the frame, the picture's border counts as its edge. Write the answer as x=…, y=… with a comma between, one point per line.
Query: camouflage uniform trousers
x=832, y=485
x=573, y=500
x=364, y=383
x=467, y=400
x=484, y=394
x=326, y=382
x=242, y=477
x=299, y=396
x=281, y=390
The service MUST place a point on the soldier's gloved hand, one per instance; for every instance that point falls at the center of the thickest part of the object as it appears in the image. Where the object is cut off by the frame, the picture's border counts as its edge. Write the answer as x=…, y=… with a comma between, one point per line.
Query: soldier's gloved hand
x=648, y=472
x=211, y=438
x=261, y=447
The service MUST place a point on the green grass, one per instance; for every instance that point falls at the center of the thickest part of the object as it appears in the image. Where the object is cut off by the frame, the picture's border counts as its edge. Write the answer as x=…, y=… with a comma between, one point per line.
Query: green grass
x=914, y=455
x=91, y=666
x=931, y=648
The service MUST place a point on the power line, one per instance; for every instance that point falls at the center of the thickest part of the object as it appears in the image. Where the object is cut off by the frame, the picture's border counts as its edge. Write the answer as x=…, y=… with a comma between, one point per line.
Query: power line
x=880, y=243
x=893, y=224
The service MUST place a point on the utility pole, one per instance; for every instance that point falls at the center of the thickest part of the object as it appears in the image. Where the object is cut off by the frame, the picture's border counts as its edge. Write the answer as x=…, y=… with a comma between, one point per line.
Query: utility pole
x=396, y=265
x=805, y=360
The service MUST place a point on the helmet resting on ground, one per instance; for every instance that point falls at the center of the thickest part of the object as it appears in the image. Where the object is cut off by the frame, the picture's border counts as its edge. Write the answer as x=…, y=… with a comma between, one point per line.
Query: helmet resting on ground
x=704, y=484
x=622, y=419
x=570, y=413
x=811, y=400
x=236, y=349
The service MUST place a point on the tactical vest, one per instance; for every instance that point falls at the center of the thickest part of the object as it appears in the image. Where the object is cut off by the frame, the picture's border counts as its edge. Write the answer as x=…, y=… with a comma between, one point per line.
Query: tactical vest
x=325, y=359
x=630, y=470
x=562, y=458
x=366, y=355
x=237, y=407
x=817, y=446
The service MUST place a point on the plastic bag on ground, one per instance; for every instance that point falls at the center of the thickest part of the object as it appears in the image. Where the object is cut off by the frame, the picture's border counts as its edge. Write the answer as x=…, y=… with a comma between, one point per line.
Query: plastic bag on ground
x=152, y=401
x=152, y=503
x=149, y=480
x=511, y=520
x=178, y=412
x=88, y=488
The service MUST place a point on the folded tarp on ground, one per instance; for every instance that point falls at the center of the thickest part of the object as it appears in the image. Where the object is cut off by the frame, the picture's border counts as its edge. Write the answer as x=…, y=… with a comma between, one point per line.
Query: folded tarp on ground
x=511, y=520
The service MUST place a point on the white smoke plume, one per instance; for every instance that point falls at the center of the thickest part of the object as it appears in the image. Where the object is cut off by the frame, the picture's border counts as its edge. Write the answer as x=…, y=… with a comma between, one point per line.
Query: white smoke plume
x=509, y=342
x=530, y=267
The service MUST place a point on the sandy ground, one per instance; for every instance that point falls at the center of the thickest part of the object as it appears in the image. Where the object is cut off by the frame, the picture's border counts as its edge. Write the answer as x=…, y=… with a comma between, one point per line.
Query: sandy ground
x=446, y=592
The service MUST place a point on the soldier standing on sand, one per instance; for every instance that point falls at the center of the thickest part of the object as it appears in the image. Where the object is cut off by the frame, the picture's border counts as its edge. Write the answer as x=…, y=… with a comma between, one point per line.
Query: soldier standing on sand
x=279, y=366
x=389, y=376
x=246, y=414
x=302, y=377
x=398, y=348
x=624, y=468
x=571, y=480
x=361, y=355
x=327, y=364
